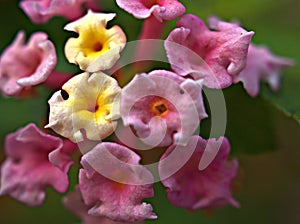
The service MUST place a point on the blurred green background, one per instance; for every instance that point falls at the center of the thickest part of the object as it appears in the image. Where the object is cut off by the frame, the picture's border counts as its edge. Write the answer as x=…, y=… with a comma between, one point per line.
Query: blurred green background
x=264, y=139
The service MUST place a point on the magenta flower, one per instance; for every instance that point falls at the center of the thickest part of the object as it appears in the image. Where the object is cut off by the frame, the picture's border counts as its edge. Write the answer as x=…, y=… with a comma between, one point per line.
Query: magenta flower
x=21, y=71
x=262, y=65
x=161, y=9
x=194, y=188
x=26, y=172
x=112, y=184
x=162, y=107
x=215, y=56
x=62, y=157
x=74, y=203
x=40, y=11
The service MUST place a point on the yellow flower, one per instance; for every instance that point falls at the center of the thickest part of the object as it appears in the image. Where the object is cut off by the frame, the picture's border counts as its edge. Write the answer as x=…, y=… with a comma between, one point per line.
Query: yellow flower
x=96, y=47
x=87, y=105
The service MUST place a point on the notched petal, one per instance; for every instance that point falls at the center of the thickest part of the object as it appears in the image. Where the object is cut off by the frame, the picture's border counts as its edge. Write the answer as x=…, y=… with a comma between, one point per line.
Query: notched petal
x=162, y=9
x=262, y=65
x=96, y=47
x=87, y=102
x=20, y=72
x=217, y=56
x=27, y=172
x=204, y=181
x=113, y=184
x=160, y=114
x=40, y=11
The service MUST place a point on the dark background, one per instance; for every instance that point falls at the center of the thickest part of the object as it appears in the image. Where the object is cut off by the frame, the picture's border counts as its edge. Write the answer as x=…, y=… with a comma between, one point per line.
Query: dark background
x=263, y=138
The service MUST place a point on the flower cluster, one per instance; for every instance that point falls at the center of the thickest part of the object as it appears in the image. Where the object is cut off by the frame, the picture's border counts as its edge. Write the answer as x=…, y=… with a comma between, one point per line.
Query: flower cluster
x=112, y=126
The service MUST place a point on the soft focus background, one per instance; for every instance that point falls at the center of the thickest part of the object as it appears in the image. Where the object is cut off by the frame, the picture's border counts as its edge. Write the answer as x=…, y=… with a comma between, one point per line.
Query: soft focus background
x=264, y=131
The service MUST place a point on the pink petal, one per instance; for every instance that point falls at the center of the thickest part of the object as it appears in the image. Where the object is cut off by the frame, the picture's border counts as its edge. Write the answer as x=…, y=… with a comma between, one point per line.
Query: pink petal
x=215, y=56
x=74, y=203
x=262, y=65
x=173, y=9
x=47, y=64
x=62, y=157
x=195, y=186
x=182, y=102
x=162, y=10
x=26, y=172
x=40, y=11
x=22, y=71
x=111, y=183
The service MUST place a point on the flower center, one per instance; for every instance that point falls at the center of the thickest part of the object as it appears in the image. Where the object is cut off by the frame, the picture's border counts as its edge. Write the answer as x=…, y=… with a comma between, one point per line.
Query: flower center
x=102, y=107
x=159, y=107
x=97, y=47
x=94, y=42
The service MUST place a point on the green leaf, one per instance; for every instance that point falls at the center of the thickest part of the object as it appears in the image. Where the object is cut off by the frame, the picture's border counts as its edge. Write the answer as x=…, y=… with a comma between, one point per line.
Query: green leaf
x=16, y=113
x=288, y=98
x=250, y=124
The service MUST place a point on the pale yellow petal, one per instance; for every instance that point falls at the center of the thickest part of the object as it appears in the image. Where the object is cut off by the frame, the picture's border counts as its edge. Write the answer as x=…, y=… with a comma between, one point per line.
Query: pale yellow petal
x=87, y=104
x=96, y=47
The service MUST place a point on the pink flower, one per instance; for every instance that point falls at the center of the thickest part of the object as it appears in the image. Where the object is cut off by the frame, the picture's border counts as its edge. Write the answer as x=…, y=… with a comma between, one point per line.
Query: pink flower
x=194, y=186
x=162, y=107
x=27, y=171
x=62, y=157
x=23, y=66
x=112, y=184
x=161, y=9
x=215, y=56
x=262, y=65
x=40, y=11
x=74, y=203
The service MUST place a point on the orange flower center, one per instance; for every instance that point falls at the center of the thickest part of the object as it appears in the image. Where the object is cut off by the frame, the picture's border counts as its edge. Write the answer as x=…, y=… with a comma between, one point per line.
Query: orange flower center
x=159, y=107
